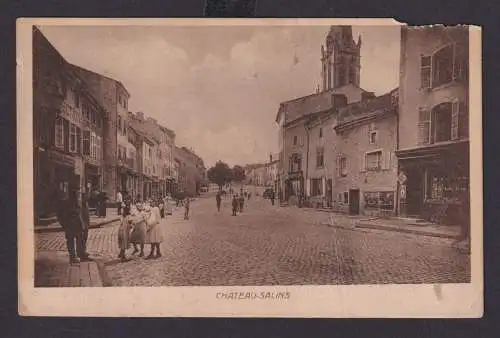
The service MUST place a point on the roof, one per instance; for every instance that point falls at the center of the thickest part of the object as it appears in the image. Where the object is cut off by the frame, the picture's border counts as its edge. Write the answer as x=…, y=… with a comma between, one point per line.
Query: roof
x=310, y=103
x=355, y=113
x=81, y=69
x=146, y=129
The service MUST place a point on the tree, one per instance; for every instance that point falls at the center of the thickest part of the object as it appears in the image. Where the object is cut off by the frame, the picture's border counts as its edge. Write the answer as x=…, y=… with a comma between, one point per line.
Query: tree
x=238, y=173
x=220, y=174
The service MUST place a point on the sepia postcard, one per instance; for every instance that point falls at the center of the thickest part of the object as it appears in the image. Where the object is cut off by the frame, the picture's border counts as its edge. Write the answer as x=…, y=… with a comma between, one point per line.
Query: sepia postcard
x=249, y=168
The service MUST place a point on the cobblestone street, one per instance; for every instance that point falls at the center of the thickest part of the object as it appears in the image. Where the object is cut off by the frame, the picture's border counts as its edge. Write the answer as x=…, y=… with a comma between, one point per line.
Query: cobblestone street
x=269, y=245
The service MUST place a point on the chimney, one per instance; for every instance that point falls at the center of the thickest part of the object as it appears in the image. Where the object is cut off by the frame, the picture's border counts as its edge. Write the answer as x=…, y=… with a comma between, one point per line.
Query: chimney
x=339, y=101
x=365, y=96
x=140, y=115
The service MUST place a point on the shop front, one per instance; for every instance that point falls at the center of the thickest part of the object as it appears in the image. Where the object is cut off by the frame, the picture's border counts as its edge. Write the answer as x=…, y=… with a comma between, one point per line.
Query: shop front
x=55, y=173
x=434, y=182
x=294, y=187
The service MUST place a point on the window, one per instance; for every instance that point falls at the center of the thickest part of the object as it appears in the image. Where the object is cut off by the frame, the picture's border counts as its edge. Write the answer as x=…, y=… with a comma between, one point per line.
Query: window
x=316, y=187
x=120, y=99
x=99, y=148
x=73, y=138
x=93, y=145
x=119, y=125
x=320, y=132
x=443, y=186
x=374, y=160
x=445, y=65
x=77, y=100
x=373, y=133
x=59, y=133
x=342, y=166
x=379, y=200
x=320, y=159
x=445, y=122
x=295, y=163
x=346, y=197
x=425, y=71
x=86, y=142
x=441, y=115
x=295, y=140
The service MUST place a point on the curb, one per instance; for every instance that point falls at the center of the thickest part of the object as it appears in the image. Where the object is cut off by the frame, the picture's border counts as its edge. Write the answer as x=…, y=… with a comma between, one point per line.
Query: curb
x=42, y=229
x=409, y=231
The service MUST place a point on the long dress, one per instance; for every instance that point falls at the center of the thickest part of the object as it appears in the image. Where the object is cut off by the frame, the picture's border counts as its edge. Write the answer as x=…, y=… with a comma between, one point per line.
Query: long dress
x=167, y=205
x=154, y=229
x=139, y=232
x=124, y=233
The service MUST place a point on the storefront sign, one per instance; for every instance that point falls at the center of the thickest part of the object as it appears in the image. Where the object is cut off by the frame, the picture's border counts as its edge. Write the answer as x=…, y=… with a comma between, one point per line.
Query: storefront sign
x=60, y=158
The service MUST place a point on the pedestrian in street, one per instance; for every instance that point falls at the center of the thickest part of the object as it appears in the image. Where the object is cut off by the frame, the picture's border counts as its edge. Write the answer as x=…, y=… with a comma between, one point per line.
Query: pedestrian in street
x=186, y=208
x=155, y=236
x=235, y=204
x=242, y=202
x=102, y=204
x=124, y=233
x=70, y=218
x=139, y=230
x=271, y=197
x=249, y=195
x=119, y=200
x=218, y=199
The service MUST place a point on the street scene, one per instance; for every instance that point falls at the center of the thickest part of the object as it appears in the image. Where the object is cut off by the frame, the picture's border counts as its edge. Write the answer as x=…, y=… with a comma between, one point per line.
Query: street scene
x=260, y=155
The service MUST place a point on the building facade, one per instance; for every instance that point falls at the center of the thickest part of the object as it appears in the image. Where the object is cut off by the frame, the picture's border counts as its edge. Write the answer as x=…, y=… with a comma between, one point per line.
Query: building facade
x=191, y=171
x=68, y=125
x=433, y=149
x=366, y=166
x=114, y=97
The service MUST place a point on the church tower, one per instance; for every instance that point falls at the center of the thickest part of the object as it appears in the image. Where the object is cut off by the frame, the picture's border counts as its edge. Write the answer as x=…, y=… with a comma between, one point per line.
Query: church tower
x=340, y=58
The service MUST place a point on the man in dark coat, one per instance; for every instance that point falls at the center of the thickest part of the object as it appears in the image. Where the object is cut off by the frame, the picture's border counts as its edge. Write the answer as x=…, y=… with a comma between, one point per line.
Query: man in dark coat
x=271, y=197
x=70, y=217
x=242, y=202
x=235, y=204
x=218, y=199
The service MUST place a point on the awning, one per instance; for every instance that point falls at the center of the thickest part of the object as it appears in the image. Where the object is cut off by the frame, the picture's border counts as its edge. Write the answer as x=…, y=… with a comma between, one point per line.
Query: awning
x=60, y=158
x=452, y=148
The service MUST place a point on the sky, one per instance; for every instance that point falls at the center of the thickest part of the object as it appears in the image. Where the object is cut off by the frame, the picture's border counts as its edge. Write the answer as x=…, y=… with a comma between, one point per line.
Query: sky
x=219, y=87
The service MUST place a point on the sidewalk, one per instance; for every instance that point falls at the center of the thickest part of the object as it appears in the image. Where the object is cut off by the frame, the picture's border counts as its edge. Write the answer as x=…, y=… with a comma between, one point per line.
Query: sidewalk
x=396, y=224
x=95, y=222
x=53, y=270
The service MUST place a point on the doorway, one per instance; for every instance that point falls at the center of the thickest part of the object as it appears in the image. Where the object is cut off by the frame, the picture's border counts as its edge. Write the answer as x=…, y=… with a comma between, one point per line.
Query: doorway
x=415, y=192
x=354, y=202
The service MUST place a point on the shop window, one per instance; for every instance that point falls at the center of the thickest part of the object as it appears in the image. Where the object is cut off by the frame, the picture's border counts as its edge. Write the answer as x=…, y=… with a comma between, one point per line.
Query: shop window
x=379, y=200
x=320, y=158
x=316, y=187
x=73, y=140
x=373, y=160
x=443, y=186
x=59, y=133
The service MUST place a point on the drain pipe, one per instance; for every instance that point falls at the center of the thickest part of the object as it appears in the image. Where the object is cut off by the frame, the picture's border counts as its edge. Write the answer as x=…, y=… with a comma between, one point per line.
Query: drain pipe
x=307, y=157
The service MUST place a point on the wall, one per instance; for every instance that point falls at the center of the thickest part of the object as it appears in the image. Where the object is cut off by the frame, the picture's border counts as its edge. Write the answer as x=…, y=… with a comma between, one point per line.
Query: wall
x=414, y=43
x=353, y=144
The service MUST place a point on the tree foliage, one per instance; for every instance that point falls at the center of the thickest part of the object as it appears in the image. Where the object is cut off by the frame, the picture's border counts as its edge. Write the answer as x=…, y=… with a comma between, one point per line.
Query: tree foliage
x=238, y=173
x=220, y=174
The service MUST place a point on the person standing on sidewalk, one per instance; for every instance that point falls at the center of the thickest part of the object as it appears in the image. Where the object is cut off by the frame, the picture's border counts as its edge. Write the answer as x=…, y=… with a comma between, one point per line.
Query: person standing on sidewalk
x=218, y=199
x=271, y=197
x=119, y=201
x=70, y=218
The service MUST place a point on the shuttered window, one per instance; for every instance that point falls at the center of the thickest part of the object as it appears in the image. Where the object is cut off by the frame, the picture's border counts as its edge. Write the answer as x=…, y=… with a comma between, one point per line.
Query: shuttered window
x=59, y=133
x=425, y=71
x=86, y=142
x=424, y=126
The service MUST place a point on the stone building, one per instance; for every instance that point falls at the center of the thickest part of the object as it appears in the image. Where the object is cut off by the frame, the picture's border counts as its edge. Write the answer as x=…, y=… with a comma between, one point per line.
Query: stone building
x=68, y=126
x=292, y=116
x=433, y=145
x=191, y=171
x=114, y=97
x=365, y=164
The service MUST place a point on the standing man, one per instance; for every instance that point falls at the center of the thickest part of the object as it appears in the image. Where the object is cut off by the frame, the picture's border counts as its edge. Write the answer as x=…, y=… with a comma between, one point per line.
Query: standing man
x=85, y=224
x=235, y=205
x=119, y=201
x=271, y=197
x=218, y=200
x=242, y=202
x=70, y=217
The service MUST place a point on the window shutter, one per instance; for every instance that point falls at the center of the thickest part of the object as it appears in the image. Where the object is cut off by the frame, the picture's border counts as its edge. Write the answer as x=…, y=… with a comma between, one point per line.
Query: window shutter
x=463, y=121
x=362, y=162
x=425, y=72
x=86, y=142
x=78, y=141
x=66, y=134
x=424, y=126
x=386, y=157
x=455, y=113
x=458, y=62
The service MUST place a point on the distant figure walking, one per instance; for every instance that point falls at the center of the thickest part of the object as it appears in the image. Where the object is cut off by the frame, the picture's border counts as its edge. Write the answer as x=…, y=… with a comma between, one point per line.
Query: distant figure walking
x=271, y=197
x=242, y=203
x=235, y=204
x=186, y=208
x=218, y=200
x=249, y=195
